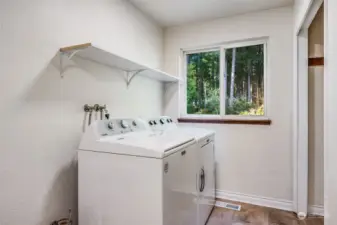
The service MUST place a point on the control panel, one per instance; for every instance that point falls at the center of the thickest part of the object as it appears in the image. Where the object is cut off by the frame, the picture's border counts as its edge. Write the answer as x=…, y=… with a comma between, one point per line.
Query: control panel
x=120, y=126
x=161, y=123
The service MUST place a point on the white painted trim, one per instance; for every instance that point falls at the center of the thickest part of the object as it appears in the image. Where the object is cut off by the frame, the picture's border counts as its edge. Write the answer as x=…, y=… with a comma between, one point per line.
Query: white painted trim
x=266, y=79
x=327, y=148
x=182, y=104
x=203, y=50
x=311, y=13
x=240, y=44
x=236, y=117
x=316, y=210
x=295, y=123
x=206, y=48
x=302, y=110
x=265, y=201
x=300, y=117
x=255, y=200
x=223, y=87
x=302, y=21
x=181, y=67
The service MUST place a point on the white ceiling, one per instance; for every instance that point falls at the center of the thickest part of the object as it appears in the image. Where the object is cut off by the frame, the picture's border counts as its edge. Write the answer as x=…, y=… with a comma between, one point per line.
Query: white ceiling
x=177, y=12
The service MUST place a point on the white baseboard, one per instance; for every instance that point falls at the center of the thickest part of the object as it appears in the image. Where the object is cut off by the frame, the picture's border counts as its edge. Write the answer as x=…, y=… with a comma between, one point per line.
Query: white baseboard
x=266, y=202
x=256, y=200
x=317, y=210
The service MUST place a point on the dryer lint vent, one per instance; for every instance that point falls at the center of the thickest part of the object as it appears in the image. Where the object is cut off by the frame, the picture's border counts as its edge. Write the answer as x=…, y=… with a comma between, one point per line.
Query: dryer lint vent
x=227, y=205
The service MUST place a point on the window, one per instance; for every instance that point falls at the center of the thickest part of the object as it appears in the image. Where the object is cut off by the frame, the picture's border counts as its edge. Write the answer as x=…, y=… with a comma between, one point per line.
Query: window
x=203, y=83
x=225, y=80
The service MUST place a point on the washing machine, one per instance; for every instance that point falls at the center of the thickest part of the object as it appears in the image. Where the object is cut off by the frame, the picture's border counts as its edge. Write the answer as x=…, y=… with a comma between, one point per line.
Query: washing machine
x=128, y=174
x=206, y=160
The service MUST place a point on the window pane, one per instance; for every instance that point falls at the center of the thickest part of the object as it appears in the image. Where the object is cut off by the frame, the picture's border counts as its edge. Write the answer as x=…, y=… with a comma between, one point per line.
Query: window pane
x=203, y=95
x=245, y=80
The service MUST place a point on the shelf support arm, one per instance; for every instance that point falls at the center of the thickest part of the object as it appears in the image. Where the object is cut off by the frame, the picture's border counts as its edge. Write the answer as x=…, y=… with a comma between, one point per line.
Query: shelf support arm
x=69, y=55
x=130, y=75
x=61, y=65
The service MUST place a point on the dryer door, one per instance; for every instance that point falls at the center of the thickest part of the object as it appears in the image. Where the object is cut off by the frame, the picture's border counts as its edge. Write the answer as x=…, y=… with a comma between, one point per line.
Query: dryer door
x=206, y=182
x=180, y=188
x=172, y=189
x=190, y=187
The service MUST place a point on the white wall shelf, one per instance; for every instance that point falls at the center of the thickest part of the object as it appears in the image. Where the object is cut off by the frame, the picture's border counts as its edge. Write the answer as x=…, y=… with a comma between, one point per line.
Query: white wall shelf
x=96, y=54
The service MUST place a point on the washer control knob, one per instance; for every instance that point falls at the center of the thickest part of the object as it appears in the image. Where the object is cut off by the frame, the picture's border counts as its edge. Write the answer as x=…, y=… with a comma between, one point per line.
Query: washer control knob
x=134, y=123
x=154, y=122
x=162, y=120
x=124, y=124
x=111, y=125
x=150, y=122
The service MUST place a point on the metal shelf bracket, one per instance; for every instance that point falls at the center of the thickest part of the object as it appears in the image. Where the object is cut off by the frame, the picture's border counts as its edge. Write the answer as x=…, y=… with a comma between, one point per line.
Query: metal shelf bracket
x=130, y=75
x=69, y=55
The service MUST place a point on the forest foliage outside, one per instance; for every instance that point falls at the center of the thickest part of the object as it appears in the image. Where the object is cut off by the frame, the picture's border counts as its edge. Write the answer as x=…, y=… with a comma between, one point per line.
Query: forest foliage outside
x=243, y=81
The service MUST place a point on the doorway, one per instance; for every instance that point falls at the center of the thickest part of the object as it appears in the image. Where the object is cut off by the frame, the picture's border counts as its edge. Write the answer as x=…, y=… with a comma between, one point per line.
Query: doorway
x=306, y=117
x=316, y=114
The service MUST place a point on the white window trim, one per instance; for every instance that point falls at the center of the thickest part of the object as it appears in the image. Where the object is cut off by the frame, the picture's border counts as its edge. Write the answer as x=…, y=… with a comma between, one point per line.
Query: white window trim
x=222, y=48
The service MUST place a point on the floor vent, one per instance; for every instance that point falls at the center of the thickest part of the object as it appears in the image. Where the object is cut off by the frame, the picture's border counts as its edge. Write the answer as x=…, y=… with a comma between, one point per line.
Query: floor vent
x=227, y=205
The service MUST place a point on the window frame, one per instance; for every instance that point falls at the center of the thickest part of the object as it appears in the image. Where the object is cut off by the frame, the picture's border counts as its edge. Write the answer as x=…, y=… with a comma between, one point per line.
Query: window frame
x=222, y=48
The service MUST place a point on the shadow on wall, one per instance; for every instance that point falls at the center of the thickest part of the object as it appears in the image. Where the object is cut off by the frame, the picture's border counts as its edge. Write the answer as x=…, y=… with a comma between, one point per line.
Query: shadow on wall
x=51, y=133
x=171, y=99
x=48, y=120
x=62, y=193
x=80, y=76
x=52, y=108
x=89, y=82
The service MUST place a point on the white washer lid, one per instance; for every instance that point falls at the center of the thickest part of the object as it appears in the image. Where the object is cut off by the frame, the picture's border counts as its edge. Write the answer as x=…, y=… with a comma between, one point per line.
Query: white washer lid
x=146, y=143
x=197, y=133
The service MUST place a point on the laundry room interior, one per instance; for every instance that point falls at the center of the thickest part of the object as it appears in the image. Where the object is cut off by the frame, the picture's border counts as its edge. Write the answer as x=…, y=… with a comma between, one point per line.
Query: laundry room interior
x=99, y=99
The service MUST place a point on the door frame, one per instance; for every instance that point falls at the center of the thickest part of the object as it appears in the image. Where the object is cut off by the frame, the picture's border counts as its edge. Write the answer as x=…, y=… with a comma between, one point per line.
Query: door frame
x=300, y=128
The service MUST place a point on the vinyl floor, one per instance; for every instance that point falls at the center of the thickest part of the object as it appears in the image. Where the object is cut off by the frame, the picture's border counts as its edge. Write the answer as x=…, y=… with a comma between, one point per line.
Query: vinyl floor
x=257, y=215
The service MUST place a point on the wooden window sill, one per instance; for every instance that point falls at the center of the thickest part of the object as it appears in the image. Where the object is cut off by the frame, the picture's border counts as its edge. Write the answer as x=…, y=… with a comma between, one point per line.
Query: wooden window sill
x=316, y=61
x=226, y=121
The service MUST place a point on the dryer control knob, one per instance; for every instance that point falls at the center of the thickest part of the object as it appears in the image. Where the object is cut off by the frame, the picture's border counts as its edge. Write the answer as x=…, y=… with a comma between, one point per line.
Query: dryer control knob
x=162, y=120
x=111, y=125
x=124, y=124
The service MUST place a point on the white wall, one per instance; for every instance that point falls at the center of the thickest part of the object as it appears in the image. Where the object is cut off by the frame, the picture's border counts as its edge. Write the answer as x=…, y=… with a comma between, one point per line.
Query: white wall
x=301, y=8
x=253, y=160
x=316, y=112
x=41, y=115
x=330, y=112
